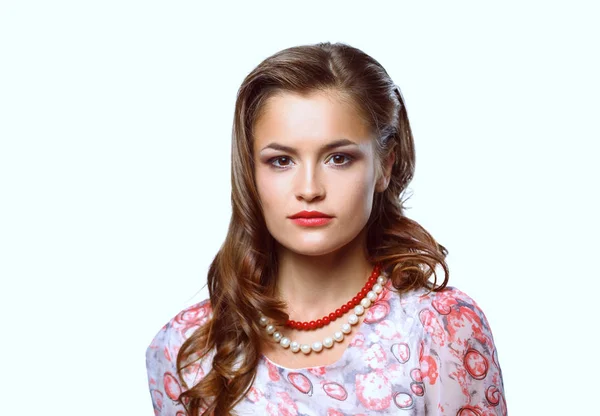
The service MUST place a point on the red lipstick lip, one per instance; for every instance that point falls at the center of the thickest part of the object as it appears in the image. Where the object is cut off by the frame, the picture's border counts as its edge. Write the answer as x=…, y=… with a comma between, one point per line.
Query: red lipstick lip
x=310, y=214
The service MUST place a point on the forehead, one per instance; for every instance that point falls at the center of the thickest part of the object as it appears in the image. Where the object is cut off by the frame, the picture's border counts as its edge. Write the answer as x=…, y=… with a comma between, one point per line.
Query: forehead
x=303, y=119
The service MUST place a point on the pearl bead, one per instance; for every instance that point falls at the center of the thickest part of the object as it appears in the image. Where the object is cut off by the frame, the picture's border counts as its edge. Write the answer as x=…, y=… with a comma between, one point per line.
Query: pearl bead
x=355, y=307
x=285, y=342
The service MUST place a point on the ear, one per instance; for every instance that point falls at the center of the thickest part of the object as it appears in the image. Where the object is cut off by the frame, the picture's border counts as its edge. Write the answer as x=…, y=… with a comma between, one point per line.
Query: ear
x=384, y=180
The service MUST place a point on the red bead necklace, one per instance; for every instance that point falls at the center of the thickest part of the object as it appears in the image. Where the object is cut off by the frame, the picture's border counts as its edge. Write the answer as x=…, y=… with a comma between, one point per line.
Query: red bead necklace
x=338, y=313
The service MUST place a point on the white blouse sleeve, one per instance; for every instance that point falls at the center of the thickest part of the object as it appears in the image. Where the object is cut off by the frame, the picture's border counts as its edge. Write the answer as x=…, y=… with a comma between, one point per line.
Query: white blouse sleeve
x=458, y=362
x=163, y=381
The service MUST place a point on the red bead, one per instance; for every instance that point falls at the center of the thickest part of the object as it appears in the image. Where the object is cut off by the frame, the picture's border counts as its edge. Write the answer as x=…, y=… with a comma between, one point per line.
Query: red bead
x=338, y=313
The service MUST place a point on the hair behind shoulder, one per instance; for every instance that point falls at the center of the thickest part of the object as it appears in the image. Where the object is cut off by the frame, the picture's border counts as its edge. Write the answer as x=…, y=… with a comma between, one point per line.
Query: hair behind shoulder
x=241, y=276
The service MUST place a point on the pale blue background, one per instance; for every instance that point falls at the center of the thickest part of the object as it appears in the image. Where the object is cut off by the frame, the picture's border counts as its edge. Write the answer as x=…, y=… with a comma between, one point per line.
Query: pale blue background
x=115, y=121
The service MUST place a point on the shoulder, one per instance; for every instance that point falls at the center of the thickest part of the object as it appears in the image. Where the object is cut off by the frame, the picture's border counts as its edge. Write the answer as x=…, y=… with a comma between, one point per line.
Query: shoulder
x=448, y=315
x=442, y=302
x=458, y=361
x=161, y=354
x=441, y=299
x=182, y=325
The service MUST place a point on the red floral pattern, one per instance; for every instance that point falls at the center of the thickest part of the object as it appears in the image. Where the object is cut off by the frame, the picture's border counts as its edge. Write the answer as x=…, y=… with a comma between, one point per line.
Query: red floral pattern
x=413, y=352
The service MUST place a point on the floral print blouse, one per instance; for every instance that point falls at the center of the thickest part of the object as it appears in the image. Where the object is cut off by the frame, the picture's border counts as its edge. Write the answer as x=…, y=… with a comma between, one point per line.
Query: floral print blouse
x=415, y=353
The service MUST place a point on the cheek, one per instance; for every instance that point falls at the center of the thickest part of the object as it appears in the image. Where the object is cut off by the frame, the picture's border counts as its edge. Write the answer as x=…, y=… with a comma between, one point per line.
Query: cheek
x=365, y=200
x=270, y=192
x=356, y=198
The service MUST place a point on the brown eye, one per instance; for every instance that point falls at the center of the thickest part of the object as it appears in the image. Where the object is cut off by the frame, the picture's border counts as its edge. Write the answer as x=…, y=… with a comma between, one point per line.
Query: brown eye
x=340, y=159
x=283, y=161
x=280, y=162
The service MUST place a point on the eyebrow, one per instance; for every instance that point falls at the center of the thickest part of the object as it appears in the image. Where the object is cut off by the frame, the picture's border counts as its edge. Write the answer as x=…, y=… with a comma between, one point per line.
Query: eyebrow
x=328, y=146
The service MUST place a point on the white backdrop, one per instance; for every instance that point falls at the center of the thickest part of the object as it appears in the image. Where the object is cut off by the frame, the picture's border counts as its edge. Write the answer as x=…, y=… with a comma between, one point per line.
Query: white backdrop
x=115, y=121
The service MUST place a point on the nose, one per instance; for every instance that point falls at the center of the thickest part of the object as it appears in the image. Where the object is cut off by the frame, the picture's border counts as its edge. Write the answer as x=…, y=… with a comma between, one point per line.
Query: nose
x=309, y=185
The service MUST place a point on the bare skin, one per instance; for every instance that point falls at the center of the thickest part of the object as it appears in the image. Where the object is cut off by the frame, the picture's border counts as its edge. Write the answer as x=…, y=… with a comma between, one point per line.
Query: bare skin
x=321, y=267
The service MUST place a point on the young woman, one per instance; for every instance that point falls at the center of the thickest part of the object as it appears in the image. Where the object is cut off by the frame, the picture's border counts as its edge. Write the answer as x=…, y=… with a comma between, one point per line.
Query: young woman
x=324, y=298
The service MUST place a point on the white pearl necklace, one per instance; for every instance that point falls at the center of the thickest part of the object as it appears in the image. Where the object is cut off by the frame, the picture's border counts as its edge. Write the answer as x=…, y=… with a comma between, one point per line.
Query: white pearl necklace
x=338, y=336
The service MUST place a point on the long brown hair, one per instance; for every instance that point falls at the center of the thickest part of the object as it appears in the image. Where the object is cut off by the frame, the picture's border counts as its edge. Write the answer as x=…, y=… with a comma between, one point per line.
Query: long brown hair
x=241, y=277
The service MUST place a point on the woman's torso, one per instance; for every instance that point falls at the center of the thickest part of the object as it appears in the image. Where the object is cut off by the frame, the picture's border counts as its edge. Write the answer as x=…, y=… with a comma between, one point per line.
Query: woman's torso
x=414, y=353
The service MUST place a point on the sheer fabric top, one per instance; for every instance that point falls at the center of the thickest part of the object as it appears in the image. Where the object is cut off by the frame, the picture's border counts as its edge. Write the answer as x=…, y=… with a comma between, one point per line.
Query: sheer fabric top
x=415, y=353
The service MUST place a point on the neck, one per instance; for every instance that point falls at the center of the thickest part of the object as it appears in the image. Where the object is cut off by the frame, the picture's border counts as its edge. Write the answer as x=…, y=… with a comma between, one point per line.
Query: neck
x=313, y=286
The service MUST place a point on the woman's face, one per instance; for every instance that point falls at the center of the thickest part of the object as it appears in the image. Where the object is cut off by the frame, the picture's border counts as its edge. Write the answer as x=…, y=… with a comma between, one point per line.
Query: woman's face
x=313, y=153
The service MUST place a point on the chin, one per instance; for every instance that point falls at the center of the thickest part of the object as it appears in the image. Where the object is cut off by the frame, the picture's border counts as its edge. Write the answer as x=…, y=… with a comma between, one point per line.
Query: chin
x=311, y=251
x=313, y=247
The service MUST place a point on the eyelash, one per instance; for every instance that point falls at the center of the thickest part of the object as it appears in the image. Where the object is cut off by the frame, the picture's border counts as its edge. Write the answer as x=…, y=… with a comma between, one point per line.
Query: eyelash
x=348, y=157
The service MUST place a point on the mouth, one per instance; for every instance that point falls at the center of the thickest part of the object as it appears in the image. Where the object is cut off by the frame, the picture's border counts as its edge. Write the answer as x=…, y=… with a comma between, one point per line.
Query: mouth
x=311, y=222
x=309, y=214
x=311, y=218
